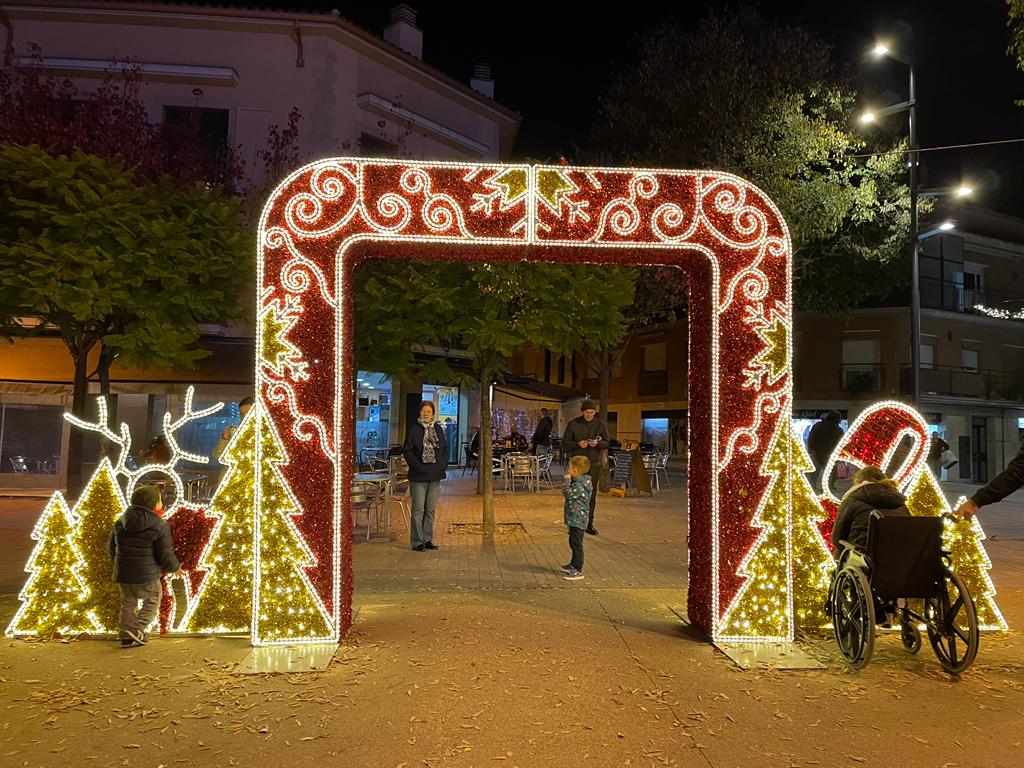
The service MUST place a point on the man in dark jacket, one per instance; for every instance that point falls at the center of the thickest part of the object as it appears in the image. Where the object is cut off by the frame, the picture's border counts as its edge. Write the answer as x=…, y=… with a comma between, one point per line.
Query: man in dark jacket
x=540, y=443
x=999, y=487
x=822, y=440
x=587, y=435
x=142, y=550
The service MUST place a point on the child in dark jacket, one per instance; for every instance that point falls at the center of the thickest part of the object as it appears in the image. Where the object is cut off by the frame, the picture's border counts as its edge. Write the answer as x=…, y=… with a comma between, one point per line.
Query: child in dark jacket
x=142, y=550
x=871, y=490
x=577, y=489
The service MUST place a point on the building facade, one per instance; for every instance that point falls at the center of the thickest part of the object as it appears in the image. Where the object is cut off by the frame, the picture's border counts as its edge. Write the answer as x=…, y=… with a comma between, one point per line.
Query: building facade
x=239, y=71
x=972, y=356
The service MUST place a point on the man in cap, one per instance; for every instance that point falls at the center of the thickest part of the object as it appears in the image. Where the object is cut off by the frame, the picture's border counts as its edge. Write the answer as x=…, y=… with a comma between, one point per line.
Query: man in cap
x=587, y=435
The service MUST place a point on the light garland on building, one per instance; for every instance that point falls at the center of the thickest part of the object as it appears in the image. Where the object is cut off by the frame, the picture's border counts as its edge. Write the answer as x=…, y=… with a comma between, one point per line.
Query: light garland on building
x=1001, y=314
x=328, y=215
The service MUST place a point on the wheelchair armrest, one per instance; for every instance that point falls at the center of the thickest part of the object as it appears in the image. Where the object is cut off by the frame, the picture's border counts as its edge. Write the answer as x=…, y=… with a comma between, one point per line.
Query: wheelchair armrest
x=844, y=544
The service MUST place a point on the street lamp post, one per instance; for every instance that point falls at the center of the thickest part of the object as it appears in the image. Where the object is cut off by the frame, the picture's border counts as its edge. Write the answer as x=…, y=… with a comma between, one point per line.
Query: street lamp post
x=915, y=261
x=910, y=107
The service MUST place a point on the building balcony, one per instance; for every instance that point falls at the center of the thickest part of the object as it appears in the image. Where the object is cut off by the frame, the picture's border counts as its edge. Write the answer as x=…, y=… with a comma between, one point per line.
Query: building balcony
x=857, y=378
x=953, y=297
x=951, y=381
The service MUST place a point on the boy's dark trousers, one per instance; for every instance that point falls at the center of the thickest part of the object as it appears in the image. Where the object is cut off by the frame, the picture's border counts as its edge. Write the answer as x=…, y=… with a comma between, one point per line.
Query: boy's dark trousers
x=133, y=617
x=576, y=545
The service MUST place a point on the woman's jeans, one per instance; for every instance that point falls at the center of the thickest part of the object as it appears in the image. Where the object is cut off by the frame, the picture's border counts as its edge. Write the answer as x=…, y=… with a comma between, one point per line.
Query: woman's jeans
x=424, y=501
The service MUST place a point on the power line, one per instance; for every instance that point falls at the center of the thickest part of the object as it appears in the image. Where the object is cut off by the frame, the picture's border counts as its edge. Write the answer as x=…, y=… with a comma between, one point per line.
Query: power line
x=922, y=150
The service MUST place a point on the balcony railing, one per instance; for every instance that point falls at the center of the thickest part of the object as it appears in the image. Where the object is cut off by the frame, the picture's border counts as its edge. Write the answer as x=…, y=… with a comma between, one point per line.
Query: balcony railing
x=938, y=294
x=951, y=381
x=861, y=377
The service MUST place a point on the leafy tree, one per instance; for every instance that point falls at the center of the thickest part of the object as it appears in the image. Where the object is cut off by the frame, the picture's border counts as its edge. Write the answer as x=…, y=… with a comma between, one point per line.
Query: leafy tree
x=763, y=100
x=1016, y=24
x=489, y=309
x=102, y=258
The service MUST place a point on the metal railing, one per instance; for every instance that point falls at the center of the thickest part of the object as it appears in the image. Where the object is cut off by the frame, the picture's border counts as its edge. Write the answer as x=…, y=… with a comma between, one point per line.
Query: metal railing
x=861, y=377
x=952, y=381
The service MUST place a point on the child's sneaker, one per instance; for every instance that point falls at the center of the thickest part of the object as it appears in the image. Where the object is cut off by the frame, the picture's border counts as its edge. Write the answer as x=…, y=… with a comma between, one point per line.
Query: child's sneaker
x=573, y=575
x=567, y=567
x=137, y=636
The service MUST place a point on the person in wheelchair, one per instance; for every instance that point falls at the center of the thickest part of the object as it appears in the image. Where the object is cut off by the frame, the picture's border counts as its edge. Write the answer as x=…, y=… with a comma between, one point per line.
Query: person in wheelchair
x=885, y=558
x=871, y=490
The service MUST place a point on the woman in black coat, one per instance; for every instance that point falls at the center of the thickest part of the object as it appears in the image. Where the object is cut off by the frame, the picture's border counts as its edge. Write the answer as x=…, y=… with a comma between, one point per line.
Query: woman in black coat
x=426, y=453
x=871, y=490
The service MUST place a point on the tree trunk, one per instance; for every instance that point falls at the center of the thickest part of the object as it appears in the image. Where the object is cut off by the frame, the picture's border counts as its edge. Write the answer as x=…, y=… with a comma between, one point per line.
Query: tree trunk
x=79, y=397
x=484, y=464
x=604, y=482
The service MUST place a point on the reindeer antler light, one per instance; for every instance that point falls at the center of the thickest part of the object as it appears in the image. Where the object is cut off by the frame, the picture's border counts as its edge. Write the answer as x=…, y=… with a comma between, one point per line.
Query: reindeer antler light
x=124, y=442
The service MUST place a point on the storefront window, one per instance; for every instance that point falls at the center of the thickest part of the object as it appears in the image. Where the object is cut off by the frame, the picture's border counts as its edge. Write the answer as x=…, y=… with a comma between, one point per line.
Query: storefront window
x=446, y=401
x=30, y=439
x=373, y=415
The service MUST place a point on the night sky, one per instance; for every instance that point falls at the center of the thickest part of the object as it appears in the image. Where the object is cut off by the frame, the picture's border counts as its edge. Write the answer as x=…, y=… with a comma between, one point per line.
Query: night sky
x=552, y=61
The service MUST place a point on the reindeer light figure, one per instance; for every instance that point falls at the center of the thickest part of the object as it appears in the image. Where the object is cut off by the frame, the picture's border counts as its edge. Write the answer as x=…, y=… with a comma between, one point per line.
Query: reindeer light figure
x=124, y=441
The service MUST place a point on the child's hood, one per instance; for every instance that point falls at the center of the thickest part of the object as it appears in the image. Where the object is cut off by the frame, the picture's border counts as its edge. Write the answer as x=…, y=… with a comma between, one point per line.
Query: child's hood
x=137, y=518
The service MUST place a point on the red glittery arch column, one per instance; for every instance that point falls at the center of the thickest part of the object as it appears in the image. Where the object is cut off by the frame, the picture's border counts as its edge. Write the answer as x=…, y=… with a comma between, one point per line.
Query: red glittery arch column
x=725, y=234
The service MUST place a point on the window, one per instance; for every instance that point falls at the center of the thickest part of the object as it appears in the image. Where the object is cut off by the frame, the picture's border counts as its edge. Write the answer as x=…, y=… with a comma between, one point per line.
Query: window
x=209, y=126
x=561, y=370
x=969, y=359
x=861, y=371
x=30, y=438
x=655, y=356
x=927, y=355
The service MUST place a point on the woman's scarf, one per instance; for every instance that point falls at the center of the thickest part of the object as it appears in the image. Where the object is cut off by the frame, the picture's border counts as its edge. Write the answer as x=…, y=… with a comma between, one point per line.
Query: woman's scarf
x=429, y=441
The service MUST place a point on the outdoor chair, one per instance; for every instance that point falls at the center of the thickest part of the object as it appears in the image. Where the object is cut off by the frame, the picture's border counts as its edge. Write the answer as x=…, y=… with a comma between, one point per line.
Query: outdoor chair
x=544, y=469
x=522, y=466
x=367, y=497
x=661, y=466
x=470, y=460
x=651, y=467
x=397, y=492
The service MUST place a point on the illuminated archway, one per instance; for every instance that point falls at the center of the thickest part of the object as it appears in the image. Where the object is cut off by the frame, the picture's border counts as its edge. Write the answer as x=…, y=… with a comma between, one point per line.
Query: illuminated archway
x=727, y=236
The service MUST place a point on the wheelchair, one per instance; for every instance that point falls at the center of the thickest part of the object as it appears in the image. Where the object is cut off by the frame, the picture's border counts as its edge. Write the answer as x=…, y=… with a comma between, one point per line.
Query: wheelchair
x=904, y=559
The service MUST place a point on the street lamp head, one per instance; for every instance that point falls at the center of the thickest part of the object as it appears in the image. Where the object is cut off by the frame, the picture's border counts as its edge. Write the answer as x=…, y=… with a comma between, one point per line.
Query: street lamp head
x=964, y=191
x=880, y=49
x=947, y=225
x=867, y=117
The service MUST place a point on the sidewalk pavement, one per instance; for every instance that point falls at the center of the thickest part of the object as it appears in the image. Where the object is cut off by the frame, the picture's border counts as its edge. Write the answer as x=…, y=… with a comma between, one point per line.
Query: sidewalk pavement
x=479, y=654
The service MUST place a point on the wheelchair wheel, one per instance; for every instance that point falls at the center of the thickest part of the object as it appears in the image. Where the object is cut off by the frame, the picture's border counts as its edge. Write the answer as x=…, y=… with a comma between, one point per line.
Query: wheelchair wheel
x=910, y=635
x=952, y=625
x=853, y=617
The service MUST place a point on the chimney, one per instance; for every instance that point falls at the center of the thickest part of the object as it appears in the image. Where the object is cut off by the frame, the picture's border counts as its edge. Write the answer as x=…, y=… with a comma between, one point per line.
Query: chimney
x=402, y=31
x=482, y=82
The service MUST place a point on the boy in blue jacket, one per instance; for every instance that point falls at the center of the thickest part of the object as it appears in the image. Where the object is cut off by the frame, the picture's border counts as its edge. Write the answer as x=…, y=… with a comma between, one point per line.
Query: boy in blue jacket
x=577, y=490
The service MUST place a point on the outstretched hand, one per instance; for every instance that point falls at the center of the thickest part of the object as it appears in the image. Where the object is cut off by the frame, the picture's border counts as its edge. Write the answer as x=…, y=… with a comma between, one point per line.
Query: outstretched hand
x=967, y=510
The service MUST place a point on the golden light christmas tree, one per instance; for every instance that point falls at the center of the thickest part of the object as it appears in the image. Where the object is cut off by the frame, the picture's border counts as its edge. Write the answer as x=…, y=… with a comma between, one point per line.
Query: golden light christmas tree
x=963, y=540
x=224, y=601
x=100, y=504
x=812, y=561
x=761, y=607
x=53, y=600
x=286, y=607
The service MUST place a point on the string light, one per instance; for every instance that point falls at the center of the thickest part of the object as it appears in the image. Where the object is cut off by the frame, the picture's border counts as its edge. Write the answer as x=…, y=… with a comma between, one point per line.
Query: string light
x=1001, y=314
x=54, y=601
x=329, y=215
x=81, y=556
